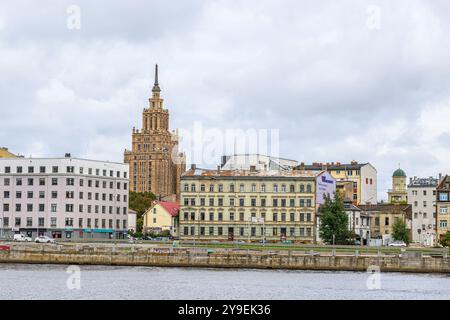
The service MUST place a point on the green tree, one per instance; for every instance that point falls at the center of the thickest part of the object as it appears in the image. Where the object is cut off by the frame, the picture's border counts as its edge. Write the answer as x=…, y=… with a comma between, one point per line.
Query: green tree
x=334, y=221
x=400, y=231
x=140, y=202
x=446, y=240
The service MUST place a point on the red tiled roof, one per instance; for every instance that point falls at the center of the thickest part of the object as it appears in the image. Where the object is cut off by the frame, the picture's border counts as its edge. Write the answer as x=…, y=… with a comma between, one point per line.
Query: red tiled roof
x=172, y=208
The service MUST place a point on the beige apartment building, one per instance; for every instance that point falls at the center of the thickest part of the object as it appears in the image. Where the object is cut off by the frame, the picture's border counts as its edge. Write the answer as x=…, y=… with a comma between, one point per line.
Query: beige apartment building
x=251, y=205
x=443, y=207
x=357, y=181
x=383, y=217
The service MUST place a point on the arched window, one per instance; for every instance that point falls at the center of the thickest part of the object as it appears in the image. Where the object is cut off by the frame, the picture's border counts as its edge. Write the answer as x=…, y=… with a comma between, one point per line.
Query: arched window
x=186, y=187
x=275, y=188
x=193, y=187
x=308, y=188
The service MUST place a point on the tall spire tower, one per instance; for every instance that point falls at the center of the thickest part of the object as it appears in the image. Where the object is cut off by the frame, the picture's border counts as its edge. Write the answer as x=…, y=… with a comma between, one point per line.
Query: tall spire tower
x=152, y=168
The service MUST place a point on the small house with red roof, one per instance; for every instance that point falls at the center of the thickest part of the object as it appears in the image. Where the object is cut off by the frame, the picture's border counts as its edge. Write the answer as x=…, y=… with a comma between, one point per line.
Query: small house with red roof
x=162, y=216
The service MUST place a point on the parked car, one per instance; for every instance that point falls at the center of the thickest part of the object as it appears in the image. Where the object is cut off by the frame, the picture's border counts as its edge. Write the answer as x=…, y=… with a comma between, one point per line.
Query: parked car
x=22, y=238
x=397, y=244
x=44, y=239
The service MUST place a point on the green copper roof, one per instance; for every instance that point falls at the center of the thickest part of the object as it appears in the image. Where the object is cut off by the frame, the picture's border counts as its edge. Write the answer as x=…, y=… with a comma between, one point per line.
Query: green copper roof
x=399, y=173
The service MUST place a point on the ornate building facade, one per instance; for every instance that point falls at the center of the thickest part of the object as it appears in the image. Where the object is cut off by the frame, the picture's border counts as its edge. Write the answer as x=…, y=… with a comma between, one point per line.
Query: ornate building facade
x=155, y=162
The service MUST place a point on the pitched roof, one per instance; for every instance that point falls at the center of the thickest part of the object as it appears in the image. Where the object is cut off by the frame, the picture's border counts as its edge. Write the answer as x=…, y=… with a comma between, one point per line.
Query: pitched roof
x=385, y=207
x=172, y=208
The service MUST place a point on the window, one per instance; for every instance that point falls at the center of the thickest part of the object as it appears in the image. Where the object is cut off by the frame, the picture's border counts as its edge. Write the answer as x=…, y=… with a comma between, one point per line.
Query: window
x=6, y=194
x=19, y=169
x=202, y=202
x=308, y=203
x=308, y=217
x=241, y=202
x=211, y=188
x=443, y=210
x=30, y=169
x=17, y=222
x=69, y=222
x=30, y=194
x=55, y=169
x=292, y=188
x=263, y=188
x=70, y=181
x=29, y=207
x=231, y=202
x=41, y=222
x=231, y=216
x=53, y=207
x=443, y=196
x=253, y=202
x=386, y=221
x=220, y=216
x=7, y=169
x=231, y=187
x=211, y=216
x=42, y=181
x=292, y=214
x=275, y=188
x=443, y=223
x=29, y=221
x=54, y=181
x=30, y=181
x=202, y=188
x=263, y=202
x=274, y=202
x=41, y=207
x=70, y=169
x=241, y=216
x=283, y=188
x=220, y=202
x=275, y=217
x=220, y=187
x=302, y=217
x=186, y=187
x=69, y=208
x=283, y=203
x=292, y=203
x=211, y=202
x=241, y=188
x=308, y=188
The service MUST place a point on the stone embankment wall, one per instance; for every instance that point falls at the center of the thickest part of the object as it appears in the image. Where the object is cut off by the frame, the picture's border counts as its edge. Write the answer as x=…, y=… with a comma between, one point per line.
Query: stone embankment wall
x=178, y=257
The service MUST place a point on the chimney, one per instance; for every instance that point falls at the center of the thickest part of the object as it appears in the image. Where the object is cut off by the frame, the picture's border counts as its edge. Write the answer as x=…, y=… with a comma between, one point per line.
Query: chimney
x=193, y=166
x=410, y=180
x=218, y=169
x=252, y=168
x=440, y=177
x=67, y=155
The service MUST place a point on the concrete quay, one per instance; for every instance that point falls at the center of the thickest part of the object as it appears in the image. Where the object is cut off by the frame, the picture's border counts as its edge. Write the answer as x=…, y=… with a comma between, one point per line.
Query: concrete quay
x=132, y=255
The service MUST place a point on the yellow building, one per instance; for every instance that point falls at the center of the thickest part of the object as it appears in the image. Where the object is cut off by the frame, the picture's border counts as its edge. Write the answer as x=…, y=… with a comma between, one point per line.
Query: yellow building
x=398, y=194
x=362, y=176
x=443, y=207
x=4, y=153
x=251, y=205
x=383, y=217
x=161, y=216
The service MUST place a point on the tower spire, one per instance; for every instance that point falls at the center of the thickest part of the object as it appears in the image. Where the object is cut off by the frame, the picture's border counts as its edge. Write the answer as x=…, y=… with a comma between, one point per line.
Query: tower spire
x=156, y=87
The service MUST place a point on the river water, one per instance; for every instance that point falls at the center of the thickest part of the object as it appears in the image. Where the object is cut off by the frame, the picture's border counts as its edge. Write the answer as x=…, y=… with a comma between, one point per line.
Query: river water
x=19, y=281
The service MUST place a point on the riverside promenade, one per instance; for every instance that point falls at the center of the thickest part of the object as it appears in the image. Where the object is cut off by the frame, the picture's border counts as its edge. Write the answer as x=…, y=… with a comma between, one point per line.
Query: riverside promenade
x=158, y=255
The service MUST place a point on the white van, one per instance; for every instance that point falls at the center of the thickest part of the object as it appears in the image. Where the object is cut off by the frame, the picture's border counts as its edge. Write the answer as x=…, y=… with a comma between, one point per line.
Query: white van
x=22, y=238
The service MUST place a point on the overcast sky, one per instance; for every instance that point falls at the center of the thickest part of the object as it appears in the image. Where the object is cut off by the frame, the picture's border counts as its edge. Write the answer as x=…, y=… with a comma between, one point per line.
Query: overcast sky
x=341, y=80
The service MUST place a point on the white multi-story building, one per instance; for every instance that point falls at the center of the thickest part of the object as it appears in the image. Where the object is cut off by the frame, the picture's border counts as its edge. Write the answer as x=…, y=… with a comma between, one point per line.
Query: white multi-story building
x=422, y=197
x=66, y=198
